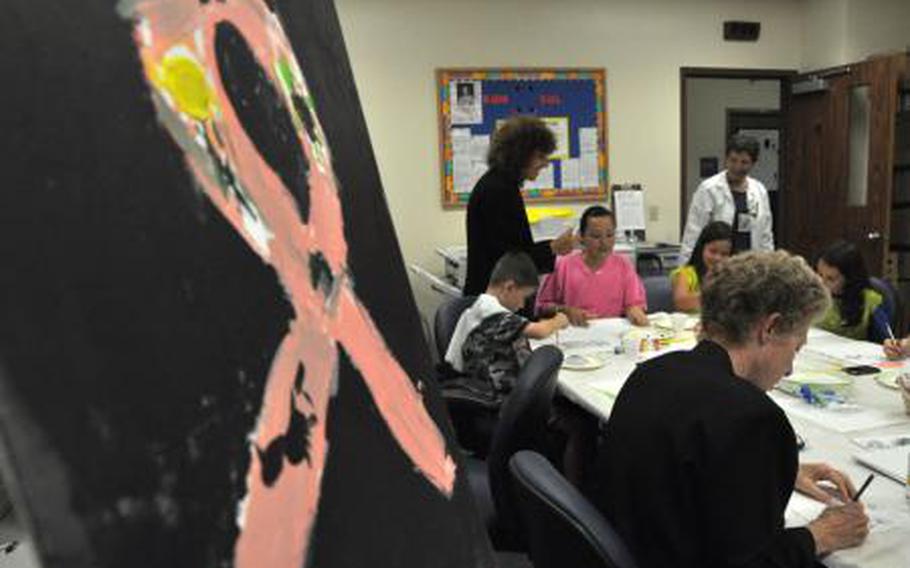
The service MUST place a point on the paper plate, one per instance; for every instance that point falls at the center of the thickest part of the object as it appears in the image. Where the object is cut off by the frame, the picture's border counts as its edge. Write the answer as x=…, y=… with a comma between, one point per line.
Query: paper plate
x=639, y=333
x=673, y=322
x=579, y=362
x=660, y=320
x=834, y=383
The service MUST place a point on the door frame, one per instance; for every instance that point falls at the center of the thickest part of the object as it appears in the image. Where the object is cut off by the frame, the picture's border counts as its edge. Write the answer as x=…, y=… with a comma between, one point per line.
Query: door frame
x=785, y=77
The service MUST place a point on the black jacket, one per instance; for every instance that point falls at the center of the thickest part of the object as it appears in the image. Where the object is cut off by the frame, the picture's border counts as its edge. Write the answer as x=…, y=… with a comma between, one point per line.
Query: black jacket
x=496, y=224
x=698, y=466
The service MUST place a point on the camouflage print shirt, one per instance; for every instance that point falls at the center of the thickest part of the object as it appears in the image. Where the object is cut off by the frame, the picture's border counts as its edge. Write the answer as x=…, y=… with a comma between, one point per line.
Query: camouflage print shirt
x=495, y=351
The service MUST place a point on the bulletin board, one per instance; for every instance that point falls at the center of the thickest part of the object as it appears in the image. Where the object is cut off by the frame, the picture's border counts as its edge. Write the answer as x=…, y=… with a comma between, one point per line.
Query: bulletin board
x=472, y=102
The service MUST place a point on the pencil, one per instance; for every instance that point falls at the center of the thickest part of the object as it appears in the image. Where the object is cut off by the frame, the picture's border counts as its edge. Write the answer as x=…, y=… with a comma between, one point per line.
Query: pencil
x=888, y=329
x=864, y=486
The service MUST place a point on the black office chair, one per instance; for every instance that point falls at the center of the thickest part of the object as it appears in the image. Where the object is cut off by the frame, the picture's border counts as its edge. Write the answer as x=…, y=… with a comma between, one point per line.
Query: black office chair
x=561, y=527
x=659, y=293
x=522, y=425
x=473, y=417
x=649, y=264
x=447, y=316
x=891, y=302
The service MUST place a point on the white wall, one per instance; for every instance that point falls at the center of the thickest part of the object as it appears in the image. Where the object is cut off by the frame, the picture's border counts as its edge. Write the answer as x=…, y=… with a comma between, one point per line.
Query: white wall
x=395, y=45
x=876, y=27
x=837, y=32
x=824, y=33
x=706, y=116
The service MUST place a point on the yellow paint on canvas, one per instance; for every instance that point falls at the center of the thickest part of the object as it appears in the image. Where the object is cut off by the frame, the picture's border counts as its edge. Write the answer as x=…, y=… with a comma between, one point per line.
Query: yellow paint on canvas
x=183, y=78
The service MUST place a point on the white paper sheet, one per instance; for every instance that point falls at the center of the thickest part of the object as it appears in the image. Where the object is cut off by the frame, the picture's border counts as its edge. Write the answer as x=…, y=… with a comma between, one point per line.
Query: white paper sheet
x=559, y=126
x=478, y=169
x=480, y=145
x=629, y=210
x=611, y=389
x=587, y=141
x=847, y=352
x=466, y=102
x=590, y=172
x=883, y=442
x=462, y=173
x=461, y=141
x=891, y=462
x=802, y=510
x=545, y=179
x=841, y=420
x=571, y=173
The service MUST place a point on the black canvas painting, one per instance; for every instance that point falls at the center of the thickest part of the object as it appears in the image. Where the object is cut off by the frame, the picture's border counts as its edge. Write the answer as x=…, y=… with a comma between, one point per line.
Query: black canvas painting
x=209, y=353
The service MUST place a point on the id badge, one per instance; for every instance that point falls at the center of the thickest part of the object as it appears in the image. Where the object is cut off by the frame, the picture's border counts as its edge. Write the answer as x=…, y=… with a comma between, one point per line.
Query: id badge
x=744, y=222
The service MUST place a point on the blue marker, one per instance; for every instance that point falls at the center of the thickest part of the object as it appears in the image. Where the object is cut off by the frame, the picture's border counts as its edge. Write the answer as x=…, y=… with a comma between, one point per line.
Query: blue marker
x=806, y=393
x=819, y=398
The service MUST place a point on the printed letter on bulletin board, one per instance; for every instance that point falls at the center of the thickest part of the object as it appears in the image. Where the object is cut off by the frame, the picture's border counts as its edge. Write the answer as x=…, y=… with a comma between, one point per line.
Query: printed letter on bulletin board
x=572, y=102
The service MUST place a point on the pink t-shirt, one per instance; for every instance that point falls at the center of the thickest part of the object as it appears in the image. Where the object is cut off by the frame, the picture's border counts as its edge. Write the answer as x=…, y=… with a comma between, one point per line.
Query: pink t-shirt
x=606, y=292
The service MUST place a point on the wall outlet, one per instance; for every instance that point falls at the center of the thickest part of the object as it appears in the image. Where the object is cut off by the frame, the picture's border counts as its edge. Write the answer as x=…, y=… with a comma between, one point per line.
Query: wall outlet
x=653, y=213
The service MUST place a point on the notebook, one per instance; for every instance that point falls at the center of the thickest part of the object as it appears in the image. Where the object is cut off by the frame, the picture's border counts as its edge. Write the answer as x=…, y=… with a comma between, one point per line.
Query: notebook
x=891, y=462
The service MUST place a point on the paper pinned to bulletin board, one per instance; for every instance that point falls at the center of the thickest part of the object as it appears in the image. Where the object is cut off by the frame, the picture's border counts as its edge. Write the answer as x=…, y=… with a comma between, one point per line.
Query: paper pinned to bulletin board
x=572, y=102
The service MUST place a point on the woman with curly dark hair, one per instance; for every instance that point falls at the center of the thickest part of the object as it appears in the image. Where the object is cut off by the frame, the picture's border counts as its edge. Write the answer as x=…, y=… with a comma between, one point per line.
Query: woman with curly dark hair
x=496, y=219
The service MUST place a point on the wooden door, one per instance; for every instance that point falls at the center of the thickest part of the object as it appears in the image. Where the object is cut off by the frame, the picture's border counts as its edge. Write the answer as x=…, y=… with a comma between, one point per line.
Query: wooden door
x=811, y=215
x=824, y=203
x=868, y=222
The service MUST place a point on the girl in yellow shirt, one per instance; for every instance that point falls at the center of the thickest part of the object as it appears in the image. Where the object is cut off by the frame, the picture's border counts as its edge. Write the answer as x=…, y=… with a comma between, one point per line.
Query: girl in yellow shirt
x=857, y=311
x=715, y=243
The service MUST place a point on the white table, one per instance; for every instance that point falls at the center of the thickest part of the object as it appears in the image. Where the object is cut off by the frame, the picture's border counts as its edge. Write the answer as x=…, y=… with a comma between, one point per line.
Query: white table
x=888, y=545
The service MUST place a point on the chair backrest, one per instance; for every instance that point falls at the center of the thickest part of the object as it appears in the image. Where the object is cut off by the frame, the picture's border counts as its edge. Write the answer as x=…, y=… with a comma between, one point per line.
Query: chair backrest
x=659, y=292
x=446, y=319
x=649, y=263
x=890, y=300
x=522, y=426
x=561, y=527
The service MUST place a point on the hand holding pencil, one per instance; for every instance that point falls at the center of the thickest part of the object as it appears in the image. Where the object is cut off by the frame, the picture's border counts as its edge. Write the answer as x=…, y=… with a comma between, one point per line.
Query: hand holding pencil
x=894, y=348
x=897, y=349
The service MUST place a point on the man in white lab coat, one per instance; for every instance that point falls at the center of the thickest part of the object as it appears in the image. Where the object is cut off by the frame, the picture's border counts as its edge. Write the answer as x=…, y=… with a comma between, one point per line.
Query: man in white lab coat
x=734, y=197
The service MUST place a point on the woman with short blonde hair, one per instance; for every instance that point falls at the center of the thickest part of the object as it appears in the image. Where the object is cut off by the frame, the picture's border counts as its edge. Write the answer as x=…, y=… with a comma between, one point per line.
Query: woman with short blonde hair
x=754, y=285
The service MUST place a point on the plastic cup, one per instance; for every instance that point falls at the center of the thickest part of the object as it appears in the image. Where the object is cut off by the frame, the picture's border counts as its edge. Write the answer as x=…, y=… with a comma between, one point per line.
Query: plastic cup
x=631, y=345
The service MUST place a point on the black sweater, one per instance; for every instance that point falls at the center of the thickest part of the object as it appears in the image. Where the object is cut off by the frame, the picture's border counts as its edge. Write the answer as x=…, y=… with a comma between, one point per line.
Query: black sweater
x=496, y=224
x=698, y=466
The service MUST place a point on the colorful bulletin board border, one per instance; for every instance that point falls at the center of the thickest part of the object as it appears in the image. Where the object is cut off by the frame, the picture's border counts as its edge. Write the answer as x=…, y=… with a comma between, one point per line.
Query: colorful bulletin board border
x=573, y=103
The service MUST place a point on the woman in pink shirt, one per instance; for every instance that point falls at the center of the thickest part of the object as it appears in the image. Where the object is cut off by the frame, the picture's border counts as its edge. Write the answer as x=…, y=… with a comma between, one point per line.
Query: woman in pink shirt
x=594, y=282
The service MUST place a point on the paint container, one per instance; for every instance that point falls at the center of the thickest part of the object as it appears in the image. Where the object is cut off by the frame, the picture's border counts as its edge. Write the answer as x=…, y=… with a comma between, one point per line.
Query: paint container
x=631, y=346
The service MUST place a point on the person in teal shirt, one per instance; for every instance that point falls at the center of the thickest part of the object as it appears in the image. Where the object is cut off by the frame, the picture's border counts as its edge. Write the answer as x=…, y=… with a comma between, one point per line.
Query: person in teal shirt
x=857, y=311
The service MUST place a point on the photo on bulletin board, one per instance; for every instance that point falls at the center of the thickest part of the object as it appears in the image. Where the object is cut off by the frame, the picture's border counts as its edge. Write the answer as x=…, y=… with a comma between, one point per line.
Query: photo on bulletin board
x=571, y=102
